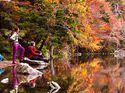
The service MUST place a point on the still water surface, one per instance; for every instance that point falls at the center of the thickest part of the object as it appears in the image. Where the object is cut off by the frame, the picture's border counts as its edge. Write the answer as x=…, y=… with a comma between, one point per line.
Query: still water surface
x=112, y=67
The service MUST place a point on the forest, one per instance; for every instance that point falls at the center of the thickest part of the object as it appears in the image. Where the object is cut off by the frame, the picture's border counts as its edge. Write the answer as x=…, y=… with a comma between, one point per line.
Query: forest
x=71, y=27
x=92, y=26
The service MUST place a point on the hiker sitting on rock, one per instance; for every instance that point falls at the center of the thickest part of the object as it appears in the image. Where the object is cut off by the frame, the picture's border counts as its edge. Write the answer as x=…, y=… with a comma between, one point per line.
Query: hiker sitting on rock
x=35, y=54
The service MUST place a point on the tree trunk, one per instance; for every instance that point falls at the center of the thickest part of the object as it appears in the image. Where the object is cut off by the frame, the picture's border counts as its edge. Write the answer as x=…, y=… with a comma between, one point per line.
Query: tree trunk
x=51, y=60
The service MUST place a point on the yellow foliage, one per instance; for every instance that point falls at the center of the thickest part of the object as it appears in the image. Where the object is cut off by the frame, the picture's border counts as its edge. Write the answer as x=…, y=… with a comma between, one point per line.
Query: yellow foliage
x=84, y=38
x=87, y=28
x=83, y=76
x=73, y=38
x=51, y=1
x=94, y=46
x=105, y=27
x=82, y=65
x=88, y=41
x=84, y=72
x=95, y=62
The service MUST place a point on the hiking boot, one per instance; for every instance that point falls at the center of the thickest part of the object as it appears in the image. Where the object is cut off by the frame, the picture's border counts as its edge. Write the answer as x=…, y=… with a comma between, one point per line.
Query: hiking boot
x=46, y=60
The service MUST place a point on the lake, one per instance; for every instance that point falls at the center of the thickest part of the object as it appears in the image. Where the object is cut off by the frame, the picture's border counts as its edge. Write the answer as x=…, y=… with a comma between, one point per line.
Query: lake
x=91, y=74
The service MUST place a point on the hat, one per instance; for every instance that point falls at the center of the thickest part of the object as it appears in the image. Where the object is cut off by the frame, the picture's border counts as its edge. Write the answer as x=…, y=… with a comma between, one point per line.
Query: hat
x=32, y=42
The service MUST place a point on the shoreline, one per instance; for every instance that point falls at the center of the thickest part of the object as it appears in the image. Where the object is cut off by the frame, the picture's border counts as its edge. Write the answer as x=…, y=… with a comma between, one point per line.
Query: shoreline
x=4, y=64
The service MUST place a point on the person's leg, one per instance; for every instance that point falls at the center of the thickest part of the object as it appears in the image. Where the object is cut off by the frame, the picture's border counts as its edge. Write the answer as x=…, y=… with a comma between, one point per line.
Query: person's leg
x=15, y=47
x=35, y=58
x=22, y=50
x=38, y=58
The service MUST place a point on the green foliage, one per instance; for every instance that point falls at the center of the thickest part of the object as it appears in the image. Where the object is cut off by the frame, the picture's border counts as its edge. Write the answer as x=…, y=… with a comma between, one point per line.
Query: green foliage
x=72, y=22
x=5, y=46
x=60, y=16
x=6, y=21
x=24, y=24
x=44, y=49
x=74, y=30
x=36, y=18
x=60, y=13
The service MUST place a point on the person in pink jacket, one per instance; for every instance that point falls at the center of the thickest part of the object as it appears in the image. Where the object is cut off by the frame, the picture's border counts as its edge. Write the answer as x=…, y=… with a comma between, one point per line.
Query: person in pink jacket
x=16, y=46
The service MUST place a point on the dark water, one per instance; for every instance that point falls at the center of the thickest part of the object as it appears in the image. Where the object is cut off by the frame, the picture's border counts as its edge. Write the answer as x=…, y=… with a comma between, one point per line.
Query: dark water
x=20, y=83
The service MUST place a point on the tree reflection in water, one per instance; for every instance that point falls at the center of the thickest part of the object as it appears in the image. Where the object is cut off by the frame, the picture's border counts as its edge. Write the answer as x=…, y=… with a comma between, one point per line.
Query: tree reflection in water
x=99, y=75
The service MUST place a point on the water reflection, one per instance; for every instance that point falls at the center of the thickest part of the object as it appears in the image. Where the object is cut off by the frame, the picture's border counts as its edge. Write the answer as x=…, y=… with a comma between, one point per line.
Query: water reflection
x=23, y=80
x=18, y=79
x=99, y=75
x=15, y=80
x=96, y=75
